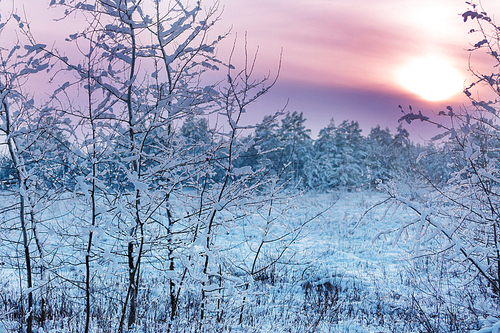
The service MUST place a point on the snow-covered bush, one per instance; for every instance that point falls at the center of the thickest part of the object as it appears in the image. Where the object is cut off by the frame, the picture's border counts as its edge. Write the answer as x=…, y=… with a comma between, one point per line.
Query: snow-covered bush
x=109, y=187
x=458, y=222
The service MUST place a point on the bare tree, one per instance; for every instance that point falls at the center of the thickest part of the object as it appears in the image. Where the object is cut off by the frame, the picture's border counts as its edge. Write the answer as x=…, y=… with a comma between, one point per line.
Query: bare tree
x=141, y=196
x=458, y=222
x=28, y=131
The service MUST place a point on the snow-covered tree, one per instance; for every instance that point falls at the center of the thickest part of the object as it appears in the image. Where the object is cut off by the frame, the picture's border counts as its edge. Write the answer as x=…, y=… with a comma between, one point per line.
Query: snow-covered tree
x=457, y=222
x=266, y=150
x=30, y=132
x=379, y=155
x=151, y=184
x=296, y=145
x=349, y=158
x=320, y=167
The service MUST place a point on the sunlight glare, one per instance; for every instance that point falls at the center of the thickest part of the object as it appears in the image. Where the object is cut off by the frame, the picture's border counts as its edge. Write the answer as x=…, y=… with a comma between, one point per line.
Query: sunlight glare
x=433, y=79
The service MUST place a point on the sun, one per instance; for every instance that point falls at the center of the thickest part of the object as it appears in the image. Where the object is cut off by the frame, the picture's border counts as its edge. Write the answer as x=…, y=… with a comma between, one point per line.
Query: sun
x=432, y=78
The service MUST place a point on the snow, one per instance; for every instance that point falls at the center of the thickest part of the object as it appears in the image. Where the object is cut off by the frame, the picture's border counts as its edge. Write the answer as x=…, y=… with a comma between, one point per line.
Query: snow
x=338, y=250
x=242, y=171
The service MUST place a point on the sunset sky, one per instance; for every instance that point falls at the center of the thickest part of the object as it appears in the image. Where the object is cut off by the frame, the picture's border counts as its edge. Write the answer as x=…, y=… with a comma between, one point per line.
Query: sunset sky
x=345, y=59
x=356, y=59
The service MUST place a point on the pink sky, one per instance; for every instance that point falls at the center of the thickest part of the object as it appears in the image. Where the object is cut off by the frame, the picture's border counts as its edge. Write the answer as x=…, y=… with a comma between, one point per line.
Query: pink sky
x=356, y=43
x=340, y=58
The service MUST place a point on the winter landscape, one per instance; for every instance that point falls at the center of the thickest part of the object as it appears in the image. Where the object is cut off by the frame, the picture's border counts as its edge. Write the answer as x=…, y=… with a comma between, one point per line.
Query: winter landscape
x=139, y=194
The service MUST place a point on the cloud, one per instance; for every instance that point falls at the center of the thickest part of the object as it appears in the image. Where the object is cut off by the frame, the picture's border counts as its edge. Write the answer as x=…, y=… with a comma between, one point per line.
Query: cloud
x=356, y=43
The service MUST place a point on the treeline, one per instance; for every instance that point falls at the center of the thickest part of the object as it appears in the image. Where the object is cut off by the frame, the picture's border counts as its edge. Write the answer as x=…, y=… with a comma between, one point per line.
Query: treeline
x=340, y=158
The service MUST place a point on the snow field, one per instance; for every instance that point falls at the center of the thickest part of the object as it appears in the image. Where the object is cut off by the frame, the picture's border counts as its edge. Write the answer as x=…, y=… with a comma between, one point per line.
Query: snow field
x=337, y=271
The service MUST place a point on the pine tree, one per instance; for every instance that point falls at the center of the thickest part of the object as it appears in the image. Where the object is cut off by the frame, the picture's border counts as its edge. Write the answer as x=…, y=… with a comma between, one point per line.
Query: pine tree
x=297, y=145
x=266, y=151
x=378, y=155
x=320, y=169
x=349, y=158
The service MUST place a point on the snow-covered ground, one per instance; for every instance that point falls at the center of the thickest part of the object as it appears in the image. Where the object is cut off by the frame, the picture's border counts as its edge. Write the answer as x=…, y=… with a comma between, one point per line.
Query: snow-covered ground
x=340, y=248
x=335, y=269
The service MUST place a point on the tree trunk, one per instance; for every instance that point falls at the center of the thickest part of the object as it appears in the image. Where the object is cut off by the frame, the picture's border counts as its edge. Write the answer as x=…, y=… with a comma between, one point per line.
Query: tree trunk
x=27, y=258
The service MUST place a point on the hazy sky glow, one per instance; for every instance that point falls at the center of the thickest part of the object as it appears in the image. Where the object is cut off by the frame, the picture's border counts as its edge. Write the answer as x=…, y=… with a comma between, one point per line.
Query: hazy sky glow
x=344, y=59
x=341, y=59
